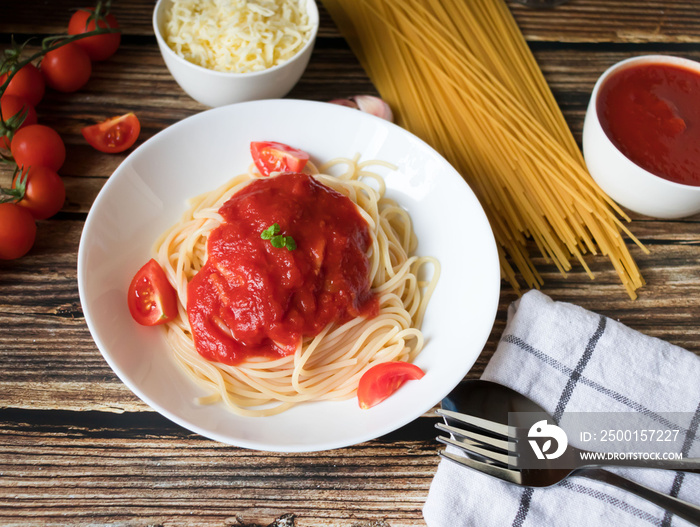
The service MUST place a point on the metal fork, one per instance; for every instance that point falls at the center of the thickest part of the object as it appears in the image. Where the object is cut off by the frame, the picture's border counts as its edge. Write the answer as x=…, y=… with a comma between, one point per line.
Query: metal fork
x=509, y=445
x=497, y=449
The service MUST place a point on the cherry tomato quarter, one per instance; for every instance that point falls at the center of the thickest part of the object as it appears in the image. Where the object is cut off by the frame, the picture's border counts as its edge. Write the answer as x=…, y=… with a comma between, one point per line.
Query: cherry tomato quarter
x=67, y=68
x=271, y=157
x=17, y=231
x=98, y=47
x=12, y=107
x=382, y=380
x=27, y=84
x=38, y=145
x=44, y=191
x=151, y=298
x=114, y=135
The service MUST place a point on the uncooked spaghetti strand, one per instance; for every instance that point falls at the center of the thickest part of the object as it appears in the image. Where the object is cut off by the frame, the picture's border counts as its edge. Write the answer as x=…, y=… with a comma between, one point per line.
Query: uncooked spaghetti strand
x=483, y=75
x=514, y=108
x=571, y=219
x=516, y=36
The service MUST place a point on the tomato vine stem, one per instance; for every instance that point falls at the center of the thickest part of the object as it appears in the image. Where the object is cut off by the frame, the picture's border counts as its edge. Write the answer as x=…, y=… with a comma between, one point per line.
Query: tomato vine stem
x=12, y=63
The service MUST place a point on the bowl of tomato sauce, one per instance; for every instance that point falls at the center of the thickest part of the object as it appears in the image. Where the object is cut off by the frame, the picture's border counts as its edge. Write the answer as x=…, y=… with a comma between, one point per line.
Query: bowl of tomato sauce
x=641, y=135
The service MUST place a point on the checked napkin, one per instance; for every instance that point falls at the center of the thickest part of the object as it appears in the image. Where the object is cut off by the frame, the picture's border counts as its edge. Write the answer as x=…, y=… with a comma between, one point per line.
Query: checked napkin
x=568, y=359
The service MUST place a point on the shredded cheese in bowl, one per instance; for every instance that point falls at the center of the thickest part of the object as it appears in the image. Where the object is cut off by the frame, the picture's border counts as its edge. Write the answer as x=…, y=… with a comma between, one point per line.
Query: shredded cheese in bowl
x=237, y=35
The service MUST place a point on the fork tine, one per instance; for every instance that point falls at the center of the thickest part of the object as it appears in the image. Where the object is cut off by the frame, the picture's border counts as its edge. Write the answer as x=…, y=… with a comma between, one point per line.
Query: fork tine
x=506, y=446
x=506, y=474
x=491, y=426
x=472, y=448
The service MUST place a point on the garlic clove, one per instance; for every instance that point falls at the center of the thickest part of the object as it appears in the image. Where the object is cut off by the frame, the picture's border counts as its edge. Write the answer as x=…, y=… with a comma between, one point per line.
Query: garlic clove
x=374, y=105
x=344, y=102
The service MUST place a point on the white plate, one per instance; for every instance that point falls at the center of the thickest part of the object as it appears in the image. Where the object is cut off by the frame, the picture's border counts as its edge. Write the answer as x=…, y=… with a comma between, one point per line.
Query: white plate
x=147, y=194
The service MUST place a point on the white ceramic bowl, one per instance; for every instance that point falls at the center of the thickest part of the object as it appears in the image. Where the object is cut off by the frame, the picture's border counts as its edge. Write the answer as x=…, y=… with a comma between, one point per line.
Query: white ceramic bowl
x=623, y=180
x=148, y=193
x=217, y=88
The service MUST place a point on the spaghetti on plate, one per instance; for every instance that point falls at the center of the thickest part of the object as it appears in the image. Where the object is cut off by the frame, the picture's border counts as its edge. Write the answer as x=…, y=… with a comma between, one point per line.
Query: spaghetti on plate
x=240, y=349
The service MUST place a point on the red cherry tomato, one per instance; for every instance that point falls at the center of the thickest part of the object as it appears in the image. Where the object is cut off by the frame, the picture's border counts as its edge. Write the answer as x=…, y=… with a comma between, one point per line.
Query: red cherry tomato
x=27, y=84
x=151, y=298
x=277, y=157
x=66, y=69
x=44, y=191
x=17, y=231
x=99, y=47
x=383, y=379
x=114, y=135
x=12, y=107
x=38, y=145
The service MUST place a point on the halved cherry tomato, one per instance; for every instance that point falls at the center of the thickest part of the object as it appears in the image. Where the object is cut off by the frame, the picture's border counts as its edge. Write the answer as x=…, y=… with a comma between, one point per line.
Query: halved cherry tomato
x=383, y=379
x=99, y=47
x=27, y=84
x=277, y=157
x=67, y=68
x=114, y=135
x=151, y=298
x=12, y=107
x=38, y=145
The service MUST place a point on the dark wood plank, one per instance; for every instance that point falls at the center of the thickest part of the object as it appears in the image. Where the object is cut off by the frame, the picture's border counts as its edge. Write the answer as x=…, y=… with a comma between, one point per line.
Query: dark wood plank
x=147, y=471
x=666, y=21
x=617, y=21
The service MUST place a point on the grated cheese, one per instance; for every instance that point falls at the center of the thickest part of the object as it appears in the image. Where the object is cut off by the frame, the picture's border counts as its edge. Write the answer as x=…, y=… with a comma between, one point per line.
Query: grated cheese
x=237, y=35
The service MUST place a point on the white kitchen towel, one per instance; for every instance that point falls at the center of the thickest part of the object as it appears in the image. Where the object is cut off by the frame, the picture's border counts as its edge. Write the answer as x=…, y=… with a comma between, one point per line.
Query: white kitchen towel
x=568, y=359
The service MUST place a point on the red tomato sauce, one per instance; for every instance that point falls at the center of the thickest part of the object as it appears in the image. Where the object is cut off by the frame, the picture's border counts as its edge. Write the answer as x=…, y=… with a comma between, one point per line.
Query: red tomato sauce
x=651, y=112
x=271, y=298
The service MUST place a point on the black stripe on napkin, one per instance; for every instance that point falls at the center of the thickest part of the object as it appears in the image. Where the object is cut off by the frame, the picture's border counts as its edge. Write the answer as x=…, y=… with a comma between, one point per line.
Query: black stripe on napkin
x=524, y=507
x=685, y=450
x=574, y=376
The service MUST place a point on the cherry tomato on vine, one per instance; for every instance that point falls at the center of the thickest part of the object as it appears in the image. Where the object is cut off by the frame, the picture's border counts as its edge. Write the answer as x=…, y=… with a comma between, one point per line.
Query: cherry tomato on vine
x=277, y=157
x=38, y=145
x=12, y=107
x=27, y=84
x=42, y=190
x=17, y=231
x=67, y=68
x=114, y=135
x=383, y=379
x=98, y=47
x=151, y=298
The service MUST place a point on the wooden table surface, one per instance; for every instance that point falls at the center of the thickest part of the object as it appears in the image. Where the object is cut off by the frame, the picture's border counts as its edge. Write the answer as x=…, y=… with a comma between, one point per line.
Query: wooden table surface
x=78, y=448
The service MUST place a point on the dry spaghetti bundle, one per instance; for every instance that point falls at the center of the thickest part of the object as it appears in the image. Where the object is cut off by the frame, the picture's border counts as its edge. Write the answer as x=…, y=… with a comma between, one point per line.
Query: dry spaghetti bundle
x=460, y=75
